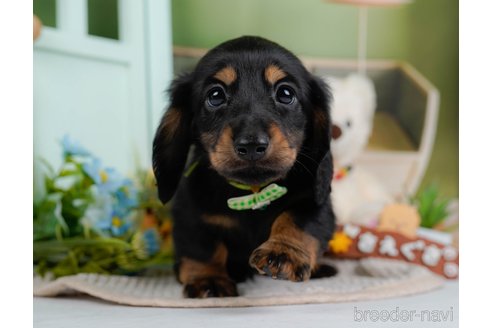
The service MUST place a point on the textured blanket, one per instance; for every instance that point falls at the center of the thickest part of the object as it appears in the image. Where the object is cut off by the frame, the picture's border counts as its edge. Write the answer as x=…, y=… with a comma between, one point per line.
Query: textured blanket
x=366, y=279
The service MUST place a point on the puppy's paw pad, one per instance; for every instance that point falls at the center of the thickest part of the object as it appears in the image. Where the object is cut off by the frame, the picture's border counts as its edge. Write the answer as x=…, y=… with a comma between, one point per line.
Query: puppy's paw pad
x=210, y=287
x=281, y=261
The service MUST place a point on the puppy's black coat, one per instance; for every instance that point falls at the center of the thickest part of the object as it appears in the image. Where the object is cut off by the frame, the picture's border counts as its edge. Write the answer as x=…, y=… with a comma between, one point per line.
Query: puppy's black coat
x=254, y=115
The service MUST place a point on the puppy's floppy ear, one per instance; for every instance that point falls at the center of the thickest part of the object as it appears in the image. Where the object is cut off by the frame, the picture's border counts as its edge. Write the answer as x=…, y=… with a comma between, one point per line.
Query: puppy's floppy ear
x=173, y=138
x=321, y=128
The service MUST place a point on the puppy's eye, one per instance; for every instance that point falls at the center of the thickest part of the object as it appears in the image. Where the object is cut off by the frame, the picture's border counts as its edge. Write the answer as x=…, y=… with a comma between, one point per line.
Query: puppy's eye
x=348, y=124
x=216, y=97
x=285, y=95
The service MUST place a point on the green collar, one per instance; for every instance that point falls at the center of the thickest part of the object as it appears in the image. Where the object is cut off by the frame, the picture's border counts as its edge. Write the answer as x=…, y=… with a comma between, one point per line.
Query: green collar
x=243, y=186
x=261, y=197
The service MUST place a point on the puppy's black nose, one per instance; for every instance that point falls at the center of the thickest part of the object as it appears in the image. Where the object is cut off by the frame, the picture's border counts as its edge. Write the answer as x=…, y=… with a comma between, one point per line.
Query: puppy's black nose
x=251, y=149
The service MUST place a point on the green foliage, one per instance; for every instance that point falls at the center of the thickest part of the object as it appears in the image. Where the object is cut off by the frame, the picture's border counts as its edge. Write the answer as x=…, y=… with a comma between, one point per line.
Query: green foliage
x=94, y=220
x=93, y=255
x=431, y=207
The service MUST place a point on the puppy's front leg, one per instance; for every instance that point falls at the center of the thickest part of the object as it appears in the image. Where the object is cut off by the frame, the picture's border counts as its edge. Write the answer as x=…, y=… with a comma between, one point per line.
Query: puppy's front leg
x=289, y=253
x=206, y=279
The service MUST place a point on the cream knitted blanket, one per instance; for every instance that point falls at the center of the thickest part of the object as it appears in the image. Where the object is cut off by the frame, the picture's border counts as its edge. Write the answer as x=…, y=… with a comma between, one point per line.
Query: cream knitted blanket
x=366, y=279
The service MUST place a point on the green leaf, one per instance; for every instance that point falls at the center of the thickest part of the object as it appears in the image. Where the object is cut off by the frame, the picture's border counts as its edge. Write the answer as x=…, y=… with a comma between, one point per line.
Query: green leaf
x=70, y=243
x=47, y=217
x=93, y=267
x=432, y=210
x=438, y=213
x=57, y=212
x=66, y=182
x=51, y=170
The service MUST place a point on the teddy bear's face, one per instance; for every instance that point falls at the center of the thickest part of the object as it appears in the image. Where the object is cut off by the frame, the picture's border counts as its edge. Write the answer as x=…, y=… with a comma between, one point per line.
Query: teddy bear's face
x=352, y=113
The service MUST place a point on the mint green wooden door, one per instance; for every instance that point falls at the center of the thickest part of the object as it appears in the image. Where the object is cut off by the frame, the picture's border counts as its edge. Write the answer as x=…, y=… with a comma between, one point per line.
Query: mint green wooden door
x=105, y=92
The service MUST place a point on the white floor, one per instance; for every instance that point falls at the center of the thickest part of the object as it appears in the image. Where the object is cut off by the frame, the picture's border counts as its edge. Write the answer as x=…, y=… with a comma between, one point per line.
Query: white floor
x=434, y=309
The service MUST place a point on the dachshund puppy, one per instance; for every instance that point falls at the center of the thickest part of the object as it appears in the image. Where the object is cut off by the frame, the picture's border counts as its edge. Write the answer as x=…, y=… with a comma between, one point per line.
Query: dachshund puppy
x=253, y=194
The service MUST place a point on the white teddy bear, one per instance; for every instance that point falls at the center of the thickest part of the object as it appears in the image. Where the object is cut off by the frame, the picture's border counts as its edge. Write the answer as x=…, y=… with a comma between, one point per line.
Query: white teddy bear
x=357, y=196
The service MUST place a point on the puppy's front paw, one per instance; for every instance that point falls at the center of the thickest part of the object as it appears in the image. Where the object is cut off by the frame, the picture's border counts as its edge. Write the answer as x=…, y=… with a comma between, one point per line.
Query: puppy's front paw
x=280, y=259
x=210, y=287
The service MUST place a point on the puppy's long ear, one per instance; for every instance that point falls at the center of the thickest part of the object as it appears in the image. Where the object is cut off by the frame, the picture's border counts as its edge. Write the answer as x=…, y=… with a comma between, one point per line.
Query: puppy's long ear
x=173, y=139
x=321, y=129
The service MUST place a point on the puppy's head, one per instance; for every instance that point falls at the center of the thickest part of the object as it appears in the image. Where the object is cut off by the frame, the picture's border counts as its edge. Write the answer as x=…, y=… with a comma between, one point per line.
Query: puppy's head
x=252, y=107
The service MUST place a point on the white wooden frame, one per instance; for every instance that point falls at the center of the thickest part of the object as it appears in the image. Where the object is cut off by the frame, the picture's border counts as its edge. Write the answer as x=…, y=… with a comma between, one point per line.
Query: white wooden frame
x=143, y=47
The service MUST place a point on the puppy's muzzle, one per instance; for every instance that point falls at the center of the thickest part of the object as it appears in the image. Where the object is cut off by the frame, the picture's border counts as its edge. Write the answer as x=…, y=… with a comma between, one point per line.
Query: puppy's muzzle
x=252, y=148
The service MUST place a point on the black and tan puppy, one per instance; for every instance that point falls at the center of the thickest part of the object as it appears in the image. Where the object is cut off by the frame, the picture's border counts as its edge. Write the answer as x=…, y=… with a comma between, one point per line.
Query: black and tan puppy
x=255, y=192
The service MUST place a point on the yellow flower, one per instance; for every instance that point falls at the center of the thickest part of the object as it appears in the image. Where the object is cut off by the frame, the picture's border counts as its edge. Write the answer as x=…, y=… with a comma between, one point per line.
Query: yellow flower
x=116, y=222
x=340, y=243
x=166, y=228
x=104, y=176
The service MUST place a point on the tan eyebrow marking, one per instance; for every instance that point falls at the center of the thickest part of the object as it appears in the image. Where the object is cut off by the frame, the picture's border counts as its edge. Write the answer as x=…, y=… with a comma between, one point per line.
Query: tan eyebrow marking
x=227, y=75
x=273, y=73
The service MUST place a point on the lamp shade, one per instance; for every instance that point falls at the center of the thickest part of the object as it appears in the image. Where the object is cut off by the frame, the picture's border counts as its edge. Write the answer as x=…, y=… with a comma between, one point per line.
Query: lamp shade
x=372, y=2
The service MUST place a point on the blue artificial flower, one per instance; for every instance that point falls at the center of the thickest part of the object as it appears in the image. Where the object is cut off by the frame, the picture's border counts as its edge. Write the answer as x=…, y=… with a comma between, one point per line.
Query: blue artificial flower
x=72, y=147
x=126, y=195
x=106, y=215
x=146, y=243
x=117, y=225
x=152, y=241
x=111, y=180
x=99, y=212
x=109, y=183
x=125, y=200
x=107, y=180
x=93, y=169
